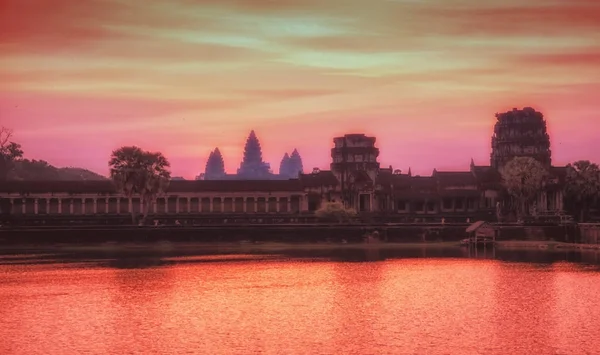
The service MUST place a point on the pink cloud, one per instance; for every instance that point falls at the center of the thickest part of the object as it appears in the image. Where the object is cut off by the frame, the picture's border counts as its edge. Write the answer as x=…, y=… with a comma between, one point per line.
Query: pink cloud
x=80, y=78
x=536, y=17
x=579, y=59
x=36, y=25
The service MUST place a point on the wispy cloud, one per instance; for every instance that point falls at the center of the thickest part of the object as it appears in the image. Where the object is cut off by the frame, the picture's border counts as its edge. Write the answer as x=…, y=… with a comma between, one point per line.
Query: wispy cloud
x=198, y=69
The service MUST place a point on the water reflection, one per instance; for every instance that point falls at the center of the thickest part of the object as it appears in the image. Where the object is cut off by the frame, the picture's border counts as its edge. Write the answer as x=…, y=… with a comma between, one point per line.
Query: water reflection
x=574, y=316
x=354, y=306
x=524, y=294
x=137, y=262
x=372, y=253
x=153, y=258
x=408, y=304
x=139, y=298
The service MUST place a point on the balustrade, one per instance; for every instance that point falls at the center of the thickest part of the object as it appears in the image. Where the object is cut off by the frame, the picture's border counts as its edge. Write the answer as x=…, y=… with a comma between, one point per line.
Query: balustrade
x=167, y=205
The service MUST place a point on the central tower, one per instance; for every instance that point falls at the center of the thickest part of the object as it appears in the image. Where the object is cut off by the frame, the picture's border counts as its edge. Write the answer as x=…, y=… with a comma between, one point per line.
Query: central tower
x=252, y=165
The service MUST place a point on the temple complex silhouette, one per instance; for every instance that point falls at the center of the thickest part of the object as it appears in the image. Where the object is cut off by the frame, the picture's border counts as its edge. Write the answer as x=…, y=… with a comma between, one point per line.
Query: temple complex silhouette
x=252, y=166
x=355, y=178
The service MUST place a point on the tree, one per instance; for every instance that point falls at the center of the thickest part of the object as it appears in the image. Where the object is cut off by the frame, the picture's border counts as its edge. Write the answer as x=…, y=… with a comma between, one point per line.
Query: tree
x=136, y=172
x=10, y=152
x=582, y=185
x=523, y=178
x=335, y=211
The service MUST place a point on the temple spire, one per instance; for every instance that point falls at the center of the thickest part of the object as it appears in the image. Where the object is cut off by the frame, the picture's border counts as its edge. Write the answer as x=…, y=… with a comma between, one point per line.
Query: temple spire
x=252, y=165
x=215, y=165
x=409, y=171
x=284, y=166
x=209, y=161
x=296, y=166
x=252, y=149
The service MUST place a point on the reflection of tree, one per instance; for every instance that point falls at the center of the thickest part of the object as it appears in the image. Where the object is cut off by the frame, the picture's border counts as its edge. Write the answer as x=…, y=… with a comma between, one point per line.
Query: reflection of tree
x=140, y=298
x=137, y=262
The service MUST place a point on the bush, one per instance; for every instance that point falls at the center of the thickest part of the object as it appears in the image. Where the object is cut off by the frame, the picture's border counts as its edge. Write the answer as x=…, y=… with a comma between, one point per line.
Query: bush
x=335, y=211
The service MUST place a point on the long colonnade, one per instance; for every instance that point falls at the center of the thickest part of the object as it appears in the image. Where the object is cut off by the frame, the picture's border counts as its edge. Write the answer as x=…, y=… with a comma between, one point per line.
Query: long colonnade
x=92, y=205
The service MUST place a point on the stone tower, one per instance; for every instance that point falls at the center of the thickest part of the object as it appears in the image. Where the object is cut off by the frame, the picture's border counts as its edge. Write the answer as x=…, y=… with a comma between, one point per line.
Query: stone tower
x=215, y=166
x=291, y=165
x=296, y=166
x=284, y=166
x=354, y=164
x=520, y=133
x=252, y=165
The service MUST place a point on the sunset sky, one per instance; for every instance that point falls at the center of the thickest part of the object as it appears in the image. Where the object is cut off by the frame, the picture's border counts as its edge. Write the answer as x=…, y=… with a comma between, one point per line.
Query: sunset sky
x=79, y=78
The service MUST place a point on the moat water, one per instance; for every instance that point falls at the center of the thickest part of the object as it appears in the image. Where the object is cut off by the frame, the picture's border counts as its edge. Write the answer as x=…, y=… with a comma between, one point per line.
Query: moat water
x=309, y=302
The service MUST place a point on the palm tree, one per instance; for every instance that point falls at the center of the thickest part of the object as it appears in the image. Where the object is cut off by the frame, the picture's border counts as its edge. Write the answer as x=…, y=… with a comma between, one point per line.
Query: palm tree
x=138, y=172
x=523, y=178
x=582, y=185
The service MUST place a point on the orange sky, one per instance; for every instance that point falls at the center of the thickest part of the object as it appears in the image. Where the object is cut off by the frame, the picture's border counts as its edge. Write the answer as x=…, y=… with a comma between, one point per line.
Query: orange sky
x=79, y=78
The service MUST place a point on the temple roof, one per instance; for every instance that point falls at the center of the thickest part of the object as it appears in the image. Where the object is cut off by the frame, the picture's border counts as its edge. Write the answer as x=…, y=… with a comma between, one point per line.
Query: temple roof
x=423, y=183
x=384, y=177
x=455, y=178
x=388, y=178
x=175, y=186
x=441, y=181
x=486, y=174
x=321, y=178
x=235, y=185
x=99, y=186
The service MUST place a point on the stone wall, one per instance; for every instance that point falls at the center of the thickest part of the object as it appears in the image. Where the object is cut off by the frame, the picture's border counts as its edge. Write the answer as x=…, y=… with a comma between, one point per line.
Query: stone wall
x=590, y=233
x=307, y=233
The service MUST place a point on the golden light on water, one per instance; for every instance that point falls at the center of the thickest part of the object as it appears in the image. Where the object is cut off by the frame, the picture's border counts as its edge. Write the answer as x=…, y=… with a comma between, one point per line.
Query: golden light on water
x=274, y=306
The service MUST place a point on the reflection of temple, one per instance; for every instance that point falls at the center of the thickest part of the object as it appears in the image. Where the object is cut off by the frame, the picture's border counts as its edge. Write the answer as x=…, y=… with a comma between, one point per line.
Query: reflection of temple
x=355, y=178
x=252, y=166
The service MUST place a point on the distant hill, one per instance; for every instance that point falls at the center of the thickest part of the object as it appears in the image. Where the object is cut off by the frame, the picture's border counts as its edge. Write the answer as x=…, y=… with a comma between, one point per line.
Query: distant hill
x=39, y=170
